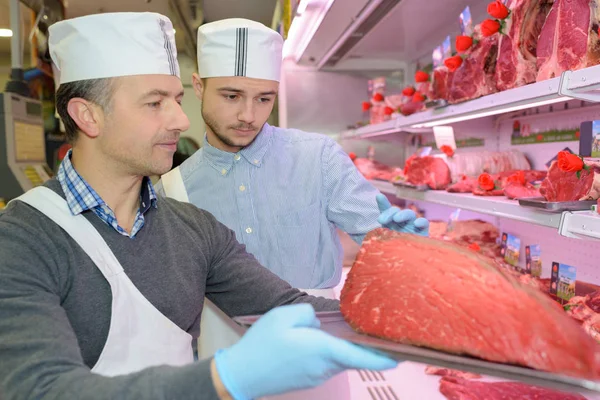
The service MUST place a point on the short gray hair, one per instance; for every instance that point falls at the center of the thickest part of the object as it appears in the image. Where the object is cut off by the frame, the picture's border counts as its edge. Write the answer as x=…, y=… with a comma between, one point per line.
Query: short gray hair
x=97, y=91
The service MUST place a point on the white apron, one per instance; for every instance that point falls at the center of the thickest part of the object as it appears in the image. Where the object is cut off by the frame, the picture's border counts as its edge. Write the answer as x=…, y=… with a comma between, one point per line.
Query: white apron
x=140, y=336
x=215, y=327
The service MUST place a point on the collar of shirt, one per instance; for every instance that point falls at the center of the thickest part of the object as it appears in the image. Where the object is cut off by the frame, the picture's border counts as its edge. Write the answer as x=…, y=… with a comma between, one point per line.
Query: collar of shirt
x=222, y=161
x=82, y=197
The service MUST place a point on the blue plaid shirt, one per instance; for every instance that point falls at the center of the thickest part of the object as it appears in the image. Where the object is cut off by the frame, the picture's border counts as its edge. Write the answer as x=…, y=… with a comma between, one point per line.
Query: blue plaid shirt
x=82, y=197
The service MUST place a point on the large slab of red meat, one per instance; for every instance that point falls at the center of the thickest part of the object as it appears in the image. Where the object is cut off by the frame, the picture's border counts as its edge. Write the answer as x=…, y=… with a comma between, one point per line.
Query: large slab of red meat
x=515, y=190
x=442, y=78
x=432, y=293
x=456, y=388
x=569, y=38
x=517, y=60
x=376, y=170
x=428, y=170
x=476, y=75
x=560, y=185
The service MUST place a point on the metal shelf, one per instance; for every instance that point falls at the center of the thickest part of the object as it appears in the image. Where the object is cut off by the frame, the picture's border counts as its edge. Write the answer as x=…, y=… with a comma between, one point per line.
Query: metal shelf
x=496, y=206
x=580, y=225
x=582, y=84
x=384, y=187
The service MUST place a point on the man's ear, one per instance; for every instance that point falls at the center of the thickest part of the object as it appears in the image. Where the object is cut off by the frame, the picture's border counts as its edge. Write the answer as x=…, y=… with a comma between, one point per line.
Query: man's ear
x=86, y=115
x=198, y=86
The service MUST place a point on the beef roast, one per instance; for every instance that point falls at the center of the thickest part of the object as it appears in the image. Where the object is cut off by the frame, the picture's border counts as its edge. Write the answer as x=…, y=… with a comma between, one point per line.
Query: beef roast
x=439, y=371
x=517, y=61
x=456, y=388
x=442, y=78
x=376, y=170
x=569, y=38
x=465, y=185
x=516, y=190
x=475, y=77
x=432, y=293
x=428, y=170
x=560, y=185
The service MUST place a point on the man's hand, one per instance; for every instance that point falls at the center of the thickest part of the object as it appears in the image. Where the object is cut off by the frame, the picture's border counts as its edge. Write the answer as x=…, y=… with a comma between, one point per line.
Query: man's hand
x=400, y=220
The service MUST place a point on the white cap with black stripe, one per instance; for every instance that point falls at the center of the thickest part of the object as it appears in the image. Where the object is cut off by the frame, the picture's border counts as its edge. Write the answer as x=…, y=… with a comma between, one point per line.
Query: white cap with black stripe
x=239, y=47
x=112, y=45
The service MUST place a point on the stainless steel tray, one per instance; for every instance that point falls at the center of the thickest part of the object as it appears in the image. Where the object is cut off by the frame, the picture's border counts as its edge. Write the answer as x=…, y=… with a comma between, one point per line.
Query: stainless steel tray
x=421, y=188
x=334, y=324
x=556, y=206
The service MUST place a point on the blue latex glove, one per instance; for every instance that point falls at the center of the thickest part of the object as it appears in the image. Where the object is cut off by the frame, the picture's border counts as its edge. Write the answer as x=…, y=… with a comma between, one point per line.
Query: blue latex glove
x=400, y=220
x=285, y=351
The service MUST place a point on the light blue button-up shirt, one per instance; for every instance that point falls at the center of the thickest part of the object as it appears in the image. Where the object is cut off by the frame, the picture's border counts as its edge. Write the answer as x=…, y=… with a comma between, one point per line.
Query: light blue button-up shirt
x=284, y=196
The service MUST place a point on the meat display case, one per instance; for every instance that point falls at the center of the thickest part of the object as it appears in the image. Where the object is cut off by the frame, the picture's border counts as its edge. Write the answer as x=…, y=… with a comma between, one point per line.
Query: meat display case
x=326, y=80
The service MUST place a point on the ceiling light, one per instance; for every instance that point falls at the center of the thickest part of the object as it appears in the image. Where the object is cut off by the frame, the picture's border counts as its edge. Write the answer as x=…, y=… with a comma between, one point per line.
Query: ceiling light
x=302, y=6
x=5, y=33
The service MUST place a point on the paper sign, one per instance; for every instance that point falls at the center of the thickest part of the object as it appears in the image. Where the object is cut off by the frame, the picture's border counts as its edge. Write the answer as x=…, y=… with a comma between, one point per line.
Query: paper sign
x=511, y=249
x=466, y=22
x=533, y=260
x=447, y=48
x=444, y=135
x=562, y=282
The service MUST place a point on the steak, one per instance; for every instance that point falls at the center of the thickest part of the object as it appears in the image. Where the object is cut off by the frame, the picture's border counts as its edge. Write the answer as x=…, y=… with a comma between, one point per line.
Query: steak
x=475, y=77
x=517, y=60
x=455, y=388
x=428, y=170
x=431, y=293
x=431, y=370
x=560, y=185
x=376, y=170
x=516, y=190
x=442, y=78
x=465, y=185
x=586, y=310
x=569, y=38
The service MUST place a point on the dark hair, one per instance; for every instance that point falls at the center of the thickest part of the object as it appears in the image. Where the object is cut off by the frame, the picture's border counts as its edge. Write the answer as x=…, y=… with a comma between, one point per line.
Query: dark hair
x=97, y=91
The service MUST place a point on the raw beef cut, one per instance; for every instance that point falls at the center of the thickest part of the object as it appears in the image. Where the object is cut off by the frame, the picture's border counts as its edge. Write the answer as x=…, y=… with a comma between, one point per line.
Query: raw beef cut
x=376, y=170
x=516, y=190
x=473, y=164
x=517, y=61
x=428, y=170
x=465, y=185
x=439, y=371
x=442, y=77
x=463, y=389
x=427, y=292
x=560, y=185
x=475, y=77
x=586, y=310
x=569, y=38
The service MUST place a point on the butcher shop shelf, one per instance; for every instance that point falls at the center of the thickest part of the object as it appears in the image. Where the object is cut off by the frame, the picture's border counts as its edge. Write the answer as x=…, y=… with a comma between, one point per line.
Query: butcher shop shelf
x=580, y=225
x=582, y=84
x=497, y=206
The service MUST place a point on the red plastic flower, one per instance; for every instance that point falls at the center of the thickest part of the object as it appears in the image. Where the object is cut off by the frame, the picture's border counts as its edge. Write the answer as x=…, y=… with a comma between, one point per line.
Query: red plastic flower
x=453, y=63
x=449, y=151
x=463, y=43
x=486, y=182
x=474, y=246
x=366, y=105
x=378, y=97
x=489, y=27
x=498, y=10
x=352, y=156
x=421, y=76
x=388, y=110
x=569, y=162
x=408, y=91
x=418, y=98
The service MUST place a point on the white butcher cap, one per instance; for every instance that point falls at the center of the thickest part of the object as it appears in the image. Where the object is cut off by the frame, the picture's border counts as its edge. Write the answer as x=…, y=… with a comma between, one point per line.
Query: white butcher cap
x=112, y=45
x=239, y=47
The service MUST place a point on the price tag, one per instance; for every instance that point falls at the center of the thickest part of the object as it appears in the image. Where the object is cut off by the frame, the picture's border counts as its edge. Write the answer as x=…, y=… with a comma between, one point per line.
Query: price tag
x=444, y=135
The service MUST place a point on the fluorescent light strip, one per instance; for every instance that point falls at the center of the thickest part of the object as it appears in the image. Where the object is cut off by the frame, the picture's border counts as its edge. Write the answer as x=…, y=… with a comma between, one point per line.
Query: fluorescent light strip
x=304, y=28
x=5, y=33
x=501, y=110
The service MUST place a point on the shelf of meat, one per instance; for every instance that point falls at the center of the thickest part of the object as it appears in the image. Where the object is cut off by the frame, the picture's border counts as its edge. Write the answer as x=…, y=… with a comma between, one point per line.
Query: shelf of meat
x=582, y=84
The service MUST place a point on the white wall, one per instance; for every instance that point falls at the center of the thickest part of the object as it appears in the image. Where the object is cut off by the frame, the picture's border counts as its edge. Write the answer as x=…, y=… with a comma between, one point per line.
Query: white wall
x=191, y=104
x=316, y=101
